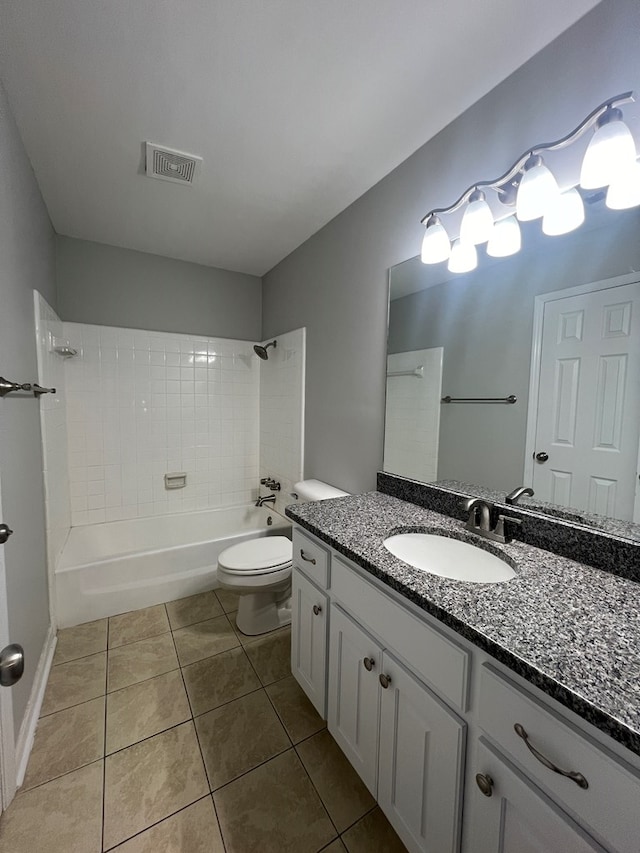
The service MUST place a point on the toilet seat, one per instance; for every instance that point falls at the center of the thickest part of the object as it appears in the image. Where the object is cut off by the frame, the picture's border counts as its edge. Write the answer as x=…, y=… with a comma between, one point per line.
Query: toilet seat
x=261, y=556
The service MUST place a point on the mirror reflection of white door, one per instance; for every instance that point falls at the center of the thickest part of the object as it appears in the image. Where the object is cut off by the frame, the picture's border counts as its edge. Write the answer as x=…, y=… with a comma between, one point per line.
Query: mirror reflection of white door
x=588, y=400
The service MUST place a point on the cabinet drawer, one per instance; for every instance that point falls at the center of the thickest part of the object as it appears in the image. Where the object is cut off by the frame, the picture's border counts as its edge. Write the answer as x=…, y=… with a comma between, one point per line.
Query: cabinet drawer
x=608, y=806
x=441, y=663
x=311, y=558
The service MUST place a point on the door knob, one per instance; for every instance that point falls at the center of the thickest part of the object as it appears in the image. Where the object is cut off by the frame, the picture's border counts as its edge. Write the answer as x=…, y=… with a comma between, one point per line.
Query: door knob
x=542, y=456
x=5, y=533
x=11, y=664
x=385, y=680
x=317, y=609
x=369, y=664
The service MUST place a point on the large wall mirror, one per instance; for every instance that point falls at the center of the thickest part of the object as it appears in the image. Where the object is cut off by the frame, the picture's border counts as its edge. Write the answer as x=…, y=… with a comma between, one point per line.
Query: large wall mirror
x=556, y=326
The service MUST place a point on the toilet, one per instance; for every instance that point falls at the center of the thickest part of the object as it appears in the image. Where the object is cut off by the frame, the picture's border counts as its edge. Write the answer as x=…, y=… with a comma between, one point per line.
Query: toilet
x=259, y=571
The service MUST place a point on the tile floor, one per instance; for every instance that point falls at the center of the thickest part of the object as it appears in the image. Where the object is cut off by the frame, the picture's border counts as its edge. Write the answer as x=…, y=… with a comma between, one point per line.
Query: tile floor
x=165, y=730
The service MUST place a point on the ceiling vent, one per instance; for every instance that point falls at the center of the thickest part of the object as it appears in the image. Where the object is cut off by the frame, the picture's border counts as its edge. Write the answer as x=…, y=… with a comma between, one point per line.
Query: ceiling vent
x=169, y=165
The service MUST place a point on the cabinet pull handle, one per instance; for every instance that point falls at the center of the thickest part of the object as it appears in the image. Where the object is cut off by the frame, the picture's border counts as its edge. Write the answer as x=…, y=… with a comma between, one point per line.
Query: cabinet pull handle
x=578, y=778
x=317, y=609
x=485, y=783
x=311, y=560
x=384, y=680
x=369, y=664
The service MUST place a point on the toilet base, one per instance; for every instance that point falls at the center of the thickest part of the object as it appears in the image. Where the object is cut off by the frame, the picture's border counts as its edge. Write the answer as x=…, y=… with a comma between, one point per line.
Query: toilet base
x=259, y=613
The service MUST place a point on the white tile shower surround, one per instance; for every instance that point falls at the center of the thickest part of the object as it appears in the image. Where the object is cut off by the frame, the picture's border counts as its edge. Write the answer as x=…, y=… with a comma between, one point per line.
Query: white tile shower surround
x=141, y=404
x=282, y=380
x=53, y=423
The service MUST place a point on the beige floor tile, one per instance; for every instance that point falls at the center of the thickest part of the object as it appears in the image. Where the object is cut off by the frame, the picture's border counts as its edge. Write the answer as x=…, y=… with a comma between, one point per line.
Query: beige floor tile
x=373, y=834
x=204, y=639
x=335, y=847
x=63, y=816
x=65, y=741
x=239, y=736
x=228, y=600
x=81, y=641
x=193, y=830
x=196, y=608
x=273, y=809
x=75, y=682
x=151, y=780
x=298, y=715
x=137, y=625
x=137, y=661
x=213, y=681
x=145, y=709
x=271, y=656
x=341, y=789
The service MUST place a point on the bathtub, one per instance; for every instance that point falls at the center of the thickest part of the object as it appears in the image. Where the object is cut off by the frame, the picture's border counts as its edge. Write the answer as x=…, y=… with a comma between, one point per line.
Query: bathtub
x=105, y=569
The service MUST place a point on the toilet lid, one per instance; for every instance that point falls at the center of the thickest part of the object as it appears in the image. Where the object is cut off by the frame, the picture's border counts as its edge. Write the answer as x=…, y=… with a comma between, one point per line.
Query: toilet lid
x=265, y=552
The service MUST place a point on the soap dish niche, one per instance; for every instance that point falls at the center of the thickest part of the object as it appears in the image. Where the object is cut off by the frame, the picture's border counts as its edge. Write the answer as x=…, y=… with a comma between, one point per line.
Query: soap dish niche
x=62, y=347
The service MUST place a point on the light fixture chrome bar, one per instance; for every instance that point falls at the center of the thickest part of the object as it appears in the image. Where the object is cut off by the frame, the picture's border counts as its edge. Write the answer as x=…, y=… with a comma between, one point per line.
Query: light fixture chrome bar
x=499, y=183
x=418, y=372
x=510, y=399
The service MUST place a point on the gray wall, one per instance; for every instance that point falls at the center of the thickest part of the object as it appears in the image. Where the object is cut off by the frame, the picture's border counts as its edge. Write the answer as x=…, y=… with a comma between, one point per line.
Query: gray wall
x=335, y=284
x=484, y=322
x=26, y=262
x=110, y=286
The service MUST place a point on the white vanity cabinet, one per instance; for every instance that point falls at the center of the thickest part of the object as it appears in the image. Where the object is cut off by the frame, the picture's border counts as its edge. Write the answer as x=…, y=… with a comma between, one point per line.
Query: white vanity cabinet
x=406, y=745
x=416, y=710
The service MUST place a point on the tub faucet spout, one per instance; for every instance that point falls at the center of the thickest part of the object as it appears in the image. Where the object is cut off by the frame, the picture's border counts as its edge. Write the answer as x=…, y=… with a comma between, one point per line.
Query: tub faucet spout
x=267, y=499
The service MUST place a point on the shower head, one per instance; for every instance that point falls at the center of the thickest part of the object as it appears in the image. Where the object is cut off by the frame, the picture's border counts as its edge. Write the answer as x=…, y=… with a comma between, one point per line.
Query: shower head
x=262, y=351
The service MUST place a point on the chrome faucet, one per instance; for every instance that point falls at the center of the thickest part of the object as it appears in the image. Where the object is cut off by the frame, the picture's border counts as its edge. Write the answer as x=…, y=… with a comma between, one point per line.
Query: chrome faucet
x=479, y=514
x=267, y=499
x=514, y=496
x=479, y=521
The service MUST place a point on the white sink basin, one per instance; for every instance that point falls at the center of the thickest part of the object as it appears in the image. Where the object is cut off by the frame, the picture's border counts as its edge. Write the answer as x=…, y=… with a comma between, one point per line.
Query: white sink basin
x=449, y=558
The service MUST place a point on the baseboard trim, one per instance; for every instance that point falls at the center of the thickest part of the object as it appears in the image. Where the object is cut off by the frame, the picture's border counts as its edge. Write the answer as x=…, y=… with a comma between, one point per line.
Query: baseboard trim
x=32, y=713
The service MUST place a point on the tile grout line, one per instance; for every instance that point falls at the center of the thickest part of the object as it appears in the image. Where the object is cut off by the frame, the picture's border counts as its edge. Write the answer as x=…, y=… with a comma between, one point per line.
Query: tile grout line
x=104, y=743
x=195, y=729
x=157, y=823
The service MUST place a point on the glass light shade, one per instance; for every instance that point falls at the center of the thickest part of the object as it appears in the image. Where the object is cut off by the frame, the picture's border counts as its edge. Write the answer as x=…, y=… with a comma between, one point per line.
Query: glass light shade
x=477, y=221
x=505, y=239
x=464, y=257
x=537, y=193
x=435, y=244
x=624, y=192
x=610, y=153
x=566, y=215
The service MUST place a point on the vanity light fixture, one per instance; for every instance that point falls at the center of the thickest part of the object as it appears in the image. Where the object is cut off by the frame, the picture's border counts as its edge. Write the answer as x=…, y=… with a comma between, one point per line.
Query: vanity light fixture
x=435, y=244
x=610, y=154
x=464, y=256
x=477, y=220
x=505, y=239
x=625, y=193
x=565, y=215
x=538, y=191
x=530, y=187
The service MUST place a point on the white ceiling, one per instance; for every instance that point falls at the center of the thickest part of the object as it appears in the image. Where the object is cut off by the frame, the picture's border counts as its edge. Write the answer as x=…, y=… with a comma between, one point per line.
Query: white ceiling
x=297, y=107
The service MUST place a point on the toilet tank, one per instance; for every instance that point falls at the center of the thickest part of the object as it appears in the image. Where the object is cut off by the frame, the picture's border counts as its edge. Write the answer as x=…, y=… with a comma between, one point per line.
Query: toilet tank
x=316, y=490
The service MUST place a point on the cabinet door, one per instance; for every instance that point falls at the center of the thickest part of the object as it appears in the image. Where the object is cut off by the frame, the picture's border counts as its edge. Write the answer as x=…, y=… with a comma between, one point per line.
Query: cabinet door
x=353, y=710
x=422, y=746
x=517, y=817
x=309, y=640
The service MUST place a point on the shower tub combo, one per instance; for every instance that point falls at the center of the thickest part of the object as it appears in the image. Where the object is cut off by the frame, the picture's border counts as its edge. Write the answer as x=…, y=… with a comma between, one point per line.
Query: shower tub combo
x=106, y=569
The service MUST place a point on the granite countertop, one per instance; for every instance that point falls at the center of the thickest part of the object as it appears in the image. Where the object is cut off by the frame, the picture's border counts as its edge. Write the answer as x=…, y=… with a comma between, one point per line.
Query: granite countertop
x=570, y=629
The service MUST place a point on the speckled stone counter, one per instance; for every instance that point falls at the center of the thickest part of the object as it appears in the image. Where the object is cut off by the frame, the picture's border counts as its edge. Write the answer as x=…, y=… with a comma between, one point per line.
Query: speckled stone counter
x=570, y=629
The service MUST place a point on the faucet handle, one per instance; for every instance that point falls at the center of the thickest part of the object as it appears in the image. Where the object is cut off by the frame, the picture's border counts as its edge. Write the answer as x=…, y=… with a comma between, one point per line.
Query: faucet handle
x=499, y=528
